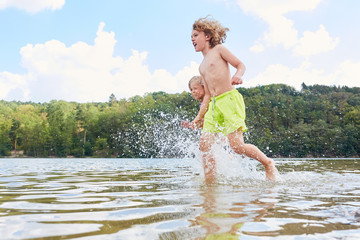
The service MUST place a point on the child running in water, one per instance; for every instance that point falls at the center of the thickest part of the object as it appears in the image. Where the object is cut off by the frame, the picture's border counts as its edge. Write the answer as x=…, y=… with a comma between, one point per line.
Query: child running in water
x=197, y=91
x=223, y=109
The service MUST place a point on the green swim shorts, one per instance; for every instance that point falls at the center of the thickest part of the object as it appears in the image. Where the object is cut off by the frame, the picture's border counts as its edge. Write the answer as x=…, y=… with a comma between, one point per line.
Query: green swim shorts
x=226, y=113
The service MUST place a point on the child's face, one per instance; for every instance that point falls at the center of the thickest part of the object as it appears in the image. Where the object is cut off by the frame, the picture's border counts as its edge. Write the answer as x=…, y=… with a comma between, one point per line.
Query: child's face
x=197, y=91
x=199, y=39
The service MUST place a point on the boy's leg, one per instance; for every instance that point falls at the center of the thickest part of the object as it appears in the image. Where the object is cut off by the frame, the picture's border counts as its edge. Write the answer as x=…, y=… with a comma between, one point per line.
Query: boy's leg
x=236, y=141
x=206, y=142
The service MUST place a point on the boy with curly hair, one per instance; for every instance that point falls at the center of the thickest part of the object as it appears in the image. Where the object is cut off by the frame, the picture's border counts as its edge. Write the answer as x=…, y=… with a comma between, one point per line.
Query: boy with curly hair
x=223, y=108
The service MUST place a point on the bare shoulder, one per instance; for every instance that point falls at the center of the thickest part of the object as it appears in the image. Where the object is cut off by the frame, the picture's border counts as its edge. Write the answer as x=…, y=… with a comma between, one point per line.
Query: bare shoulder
x=222, y=51
x=226, y=54
x=219, y=48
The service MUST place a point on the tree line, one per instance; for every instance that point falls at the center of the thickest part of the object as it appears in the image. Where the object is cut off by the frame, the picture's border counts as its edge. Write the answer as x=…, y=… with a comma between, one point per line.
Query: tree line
x=317, y=121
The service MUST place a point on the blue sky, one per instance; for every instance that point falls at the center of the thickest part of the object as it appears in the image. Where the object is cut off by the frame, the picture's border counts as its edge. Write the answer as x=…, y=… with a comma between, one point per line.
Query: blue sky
x=84, y=50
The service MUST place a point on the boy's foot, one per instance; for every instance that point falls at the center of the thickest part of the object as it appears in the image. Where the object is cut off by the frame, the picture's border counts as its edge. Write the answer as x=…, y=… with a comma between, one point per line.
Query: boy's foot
x=271, y=171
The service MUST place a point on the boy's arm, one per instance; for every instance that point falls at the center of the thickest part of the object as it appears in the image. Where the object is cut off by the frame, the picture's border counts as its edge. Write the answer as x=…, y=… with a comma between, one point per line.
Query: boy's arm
x=235, y=62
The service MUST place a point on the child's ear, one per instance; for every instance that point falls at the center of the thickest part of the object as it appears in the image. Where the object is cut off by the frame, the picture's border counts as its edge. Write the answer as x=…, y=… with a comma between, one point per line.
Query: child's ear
x=207, y=37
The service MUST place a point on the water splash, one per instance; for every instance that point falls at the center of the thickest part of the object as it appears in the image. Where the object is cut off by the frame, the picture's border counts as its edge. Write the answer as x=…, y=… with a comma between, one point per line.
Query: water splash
x=165, y=134
x=161, y=135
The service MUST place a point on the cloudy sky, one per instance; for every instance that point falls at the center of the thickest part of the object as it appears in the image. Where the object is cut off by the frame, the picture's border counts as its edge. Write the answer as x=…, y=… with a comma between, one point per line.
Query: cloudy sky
x=84, y=50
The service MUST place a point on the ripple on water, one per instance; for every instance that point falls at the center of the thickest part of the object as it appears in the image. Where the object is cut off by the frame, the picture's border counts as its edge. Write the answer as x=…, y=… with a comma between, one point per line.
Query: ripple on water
x=168, y=199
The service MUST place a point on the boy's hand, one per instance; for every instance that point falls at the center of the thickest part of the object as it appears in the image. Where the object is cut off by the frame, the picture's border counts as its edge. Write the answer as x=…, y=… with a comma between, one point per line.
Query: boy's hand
x=197, y=123
x=185, y=124
x=236, y=80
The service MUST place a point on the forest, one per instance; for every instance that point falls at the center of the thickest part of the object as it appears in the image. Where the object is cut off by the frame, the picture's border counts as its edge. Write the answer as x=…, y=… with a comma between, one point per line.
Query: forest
x=316, y=121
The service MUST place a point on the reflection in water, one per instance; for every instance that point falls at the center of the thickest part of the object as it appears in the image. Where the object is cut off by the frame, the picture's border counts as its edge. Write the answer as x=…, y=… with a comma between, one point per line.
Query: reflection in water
x=223, y=219
x=167, y=199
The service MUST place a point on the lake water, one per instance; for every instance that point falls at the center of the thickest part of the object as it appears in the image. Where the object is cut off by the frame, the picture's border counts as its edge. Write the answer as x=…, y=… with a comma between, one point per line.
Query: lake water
x=168, y=199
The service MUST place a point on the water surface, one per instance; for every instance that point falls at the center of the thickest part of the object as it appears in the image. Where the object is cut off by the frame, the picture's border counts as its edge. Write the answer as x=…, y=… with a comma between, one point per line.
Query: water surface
x=167, y=199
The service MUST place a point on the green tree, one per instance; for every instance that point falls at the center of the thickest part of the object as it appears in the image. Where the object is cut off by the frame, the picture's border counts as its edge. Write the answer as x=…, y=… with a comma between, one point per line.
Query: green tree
x=62, y=127
x=5, y=142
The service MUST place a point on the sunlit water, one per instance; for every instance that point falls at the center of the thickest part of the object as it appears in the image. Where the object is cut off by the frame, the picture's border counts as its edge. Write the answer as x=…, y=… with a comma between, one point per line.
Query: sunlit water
x=168, y=199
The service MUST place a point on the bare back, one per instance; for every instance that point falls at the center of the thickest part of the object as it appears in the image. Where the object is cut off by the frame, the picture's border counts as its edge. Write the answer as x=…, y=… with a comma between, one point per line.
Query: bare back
x=216, y=73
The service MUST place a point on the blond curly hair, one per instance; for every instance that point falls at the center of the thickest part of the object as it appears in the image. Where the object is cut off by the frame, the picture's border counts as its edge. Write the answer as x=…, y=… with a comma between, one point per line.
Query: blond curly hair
x=196, y=79
x=212, y=28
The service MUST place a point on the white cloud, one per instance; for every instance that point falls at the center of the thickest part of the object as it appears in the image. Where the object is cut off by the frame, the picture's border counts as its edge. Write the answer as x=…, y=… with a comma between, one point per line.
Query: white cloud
x=83, y=72
x=315, y=42
x=277, y=7
x=32, y=6
x=346, y=74
x=258, y=47
x=281, y=29
x=13, y=85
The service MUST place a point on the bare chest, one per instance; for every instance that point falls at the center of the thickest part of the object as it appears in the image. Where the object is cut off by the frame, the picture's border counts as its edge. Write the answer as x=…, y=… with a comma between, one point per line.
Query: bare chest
x=212, y=64
x=208, y=64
